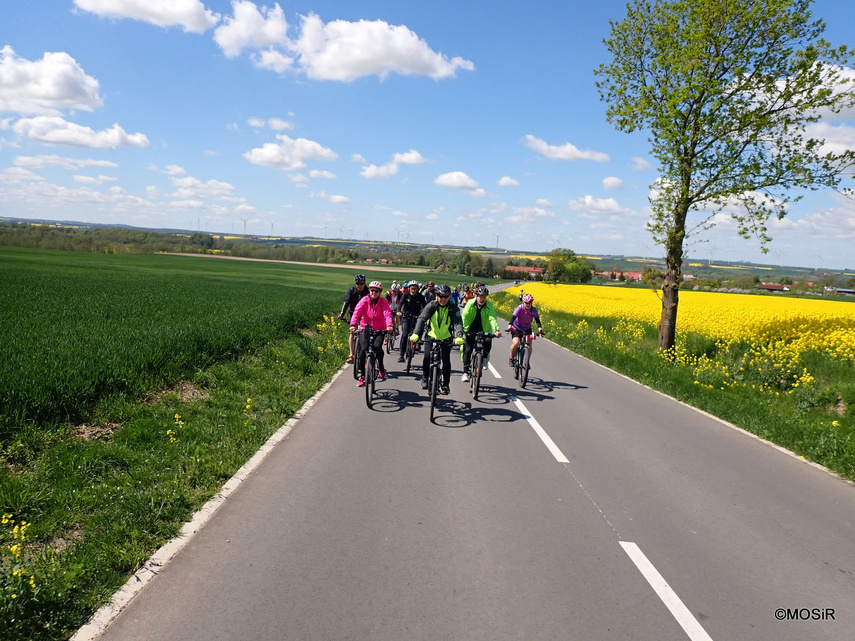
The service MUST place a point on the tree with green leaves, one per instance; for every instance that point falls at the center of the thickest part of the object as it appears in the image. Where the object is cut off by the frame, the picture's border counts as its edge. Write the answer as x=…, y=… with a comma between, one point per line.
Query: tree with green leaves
x=727, y=91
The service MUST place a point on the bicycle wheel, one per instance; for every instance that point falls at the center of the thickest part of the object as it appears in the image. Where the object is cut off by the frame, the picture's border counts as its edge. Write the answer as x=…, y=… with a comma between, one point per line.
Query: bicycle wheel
x=434, y=389
x=475, y=376
x=370, y=377
x=524, y=368
x=356, y=358
x=519, y=366
x=411, y=350
x=390, y=342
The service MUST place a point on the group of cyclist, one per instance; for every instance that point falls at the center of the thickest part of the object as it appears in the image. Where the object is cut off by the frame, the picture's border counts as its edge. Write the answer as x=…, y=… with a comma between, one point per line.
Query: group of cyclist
x=431, y=314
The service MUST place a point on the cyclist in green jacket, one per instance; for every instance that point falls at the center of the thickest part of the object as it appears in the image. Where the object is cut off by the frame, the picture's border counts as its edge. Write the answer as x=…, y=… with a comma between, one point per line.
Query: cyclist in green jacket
x=443, y=321
x=479, y=315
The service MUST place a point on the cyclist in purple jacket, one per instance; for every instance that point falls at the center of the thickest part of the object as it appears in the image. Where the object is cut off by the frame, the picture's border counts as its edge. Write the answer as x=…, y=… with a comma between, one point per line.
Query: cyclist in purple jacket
x=520, y=325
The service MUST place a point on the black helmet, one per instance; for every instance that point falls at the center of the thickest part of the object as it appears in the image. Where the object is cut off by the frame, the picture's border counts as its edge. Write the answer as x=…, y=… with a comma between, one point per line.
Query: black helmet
x=443, y=290
x=359, y=278
x=481, y=290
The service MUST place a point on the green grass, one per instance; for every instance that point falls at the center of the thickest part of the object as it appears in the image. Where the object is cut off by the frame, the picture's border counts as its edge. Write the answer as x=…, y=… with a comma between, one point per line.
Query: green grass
x=814, y=420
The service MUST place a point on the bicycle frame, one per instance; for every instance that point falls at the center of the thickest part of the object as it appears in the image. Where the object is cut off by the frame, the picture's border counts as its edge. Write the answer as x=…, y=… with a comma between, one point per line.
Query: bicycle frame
x=476, y=365
x=435, y=372
x=370, y=365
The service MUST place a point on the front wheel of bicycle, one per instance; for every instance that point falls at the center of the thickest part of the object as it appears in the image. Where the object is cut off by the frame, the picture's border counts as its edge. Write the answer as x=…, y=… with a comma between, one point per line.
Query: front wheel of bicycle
x=524, y=368
x=370, y=377
x=475, y=379
x=434, y=390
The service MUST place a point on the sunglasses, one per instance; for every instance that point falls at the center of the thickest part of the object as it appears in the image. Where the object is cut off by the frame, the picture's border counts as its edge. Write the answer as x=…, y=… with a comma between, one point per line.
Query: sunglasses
x=374, y=290
x=445, y=296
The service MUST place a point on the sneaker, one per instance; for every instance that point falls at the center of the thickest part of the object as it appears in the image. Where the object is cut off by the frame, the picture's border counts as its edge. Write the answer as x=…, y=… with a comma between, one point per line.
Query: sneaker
x=511, y=361
x=424, y=383
x=350, y=359
x=401, y=359
x=465, y=377
x=443, y=389
x=381, y=376
x=361, y=382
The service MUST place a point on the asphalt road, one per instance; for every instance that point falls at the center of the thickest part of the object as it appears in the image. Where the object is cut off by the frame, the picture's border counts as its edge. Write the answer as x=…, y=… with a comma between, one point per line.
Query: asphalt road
x=585, y=507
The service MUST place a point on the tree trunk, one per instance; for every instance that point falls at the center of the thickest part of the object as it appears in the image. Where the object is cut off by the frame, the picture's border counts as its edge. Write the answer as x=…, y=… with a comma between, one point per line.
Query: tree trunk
x=671, y=293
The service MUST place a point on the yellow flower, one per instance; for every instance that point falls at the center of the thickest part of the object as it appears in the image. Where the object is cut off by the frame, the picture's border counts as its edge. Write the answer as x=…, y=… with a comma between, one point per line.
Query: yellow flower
x=835, y=423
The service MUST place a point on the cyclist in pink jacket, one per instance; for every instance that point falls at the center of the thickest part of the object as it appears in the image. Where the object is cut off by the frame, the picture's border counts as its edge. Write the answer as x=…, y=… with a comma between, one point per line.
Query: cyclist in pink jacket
x=372, y=310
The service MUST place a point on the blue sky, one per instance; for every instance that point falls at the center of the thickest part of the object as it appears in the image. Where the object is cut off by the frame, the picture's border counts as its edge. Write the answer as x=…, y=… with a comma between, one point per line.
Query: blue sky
x=466, y=123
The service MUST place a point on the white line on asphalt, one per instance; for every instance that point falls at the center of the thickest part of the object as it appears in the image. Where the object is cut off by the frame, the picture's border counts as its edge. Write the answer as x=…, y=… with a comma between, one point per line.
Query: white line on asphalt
x=559, y=456
x=685, y=618
x=493, y=370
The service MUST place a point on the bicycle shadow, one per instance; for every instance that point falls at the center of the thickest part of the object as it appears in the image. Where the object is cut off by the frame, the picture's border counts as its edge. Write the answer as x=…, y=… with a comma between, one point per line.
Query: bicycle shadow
x=391, y=399
x=540, y=386
x=457, y=414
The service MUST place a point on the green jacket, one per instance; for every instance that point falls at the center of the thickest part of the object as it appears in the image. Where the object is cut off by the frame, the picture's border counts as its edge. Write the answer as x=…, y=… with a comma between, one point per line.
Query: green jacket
x=488, y=316
x=442, y=322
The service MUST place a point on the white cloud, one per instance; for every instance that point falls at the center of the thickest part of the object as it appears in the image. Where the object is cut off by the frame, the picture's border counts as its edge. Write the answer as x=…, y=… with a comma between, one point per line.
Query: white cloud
x=543, y=202
x=567, y=151
x=459, y=180
x=612, y=183
x=411, y=157
x=507, y=181
x=289, y=154
x=45, y=86
x=18, y=175
x=193, y=188
x=53, y=130
x=838, y=138
x=528, y=215
x=251, y=28
x=276, y=124
x=329, y=198
x=341, y=50
x=358, y=158
x=597, y=205
x=169, y=170
x=639, y=163
x=189, y=14
x=338, y=50
x=317, y=173
x=91, y=180
x=52, y=160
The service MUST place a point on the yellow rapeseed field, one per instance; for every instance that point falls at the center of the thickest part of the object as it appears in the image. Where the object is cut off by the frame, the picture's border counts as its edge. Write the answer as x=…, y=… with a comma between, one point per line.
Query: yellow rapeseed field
x=799, y=324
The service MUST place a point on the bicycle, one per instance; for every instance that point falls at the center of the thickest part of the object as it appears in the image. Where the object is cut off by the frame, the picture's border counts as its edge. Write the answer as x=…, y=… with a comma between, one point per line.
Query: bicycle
x=435, y=372
x=371, y=367
x=477, y=365
x=390, y=339
x=522, y=362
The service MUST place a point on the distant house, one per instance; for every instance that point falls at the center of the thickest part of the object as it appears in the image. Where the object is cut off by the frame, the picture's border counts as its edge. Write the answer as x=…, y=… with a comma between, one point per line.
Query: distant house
x=773, y=287
x=530, y=272
x=844, y=292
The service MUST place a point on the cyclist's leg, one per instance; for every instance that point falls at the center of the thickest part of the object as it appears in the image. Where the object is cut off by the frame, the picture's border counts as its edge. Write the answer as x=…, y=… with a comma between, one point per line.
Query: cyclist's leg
x=378, y=350
x=515, y=343
x=446, y=364
x=405, y=335
x=362, y=350
x=468, y=346
x=488, y=345
x=426, y=359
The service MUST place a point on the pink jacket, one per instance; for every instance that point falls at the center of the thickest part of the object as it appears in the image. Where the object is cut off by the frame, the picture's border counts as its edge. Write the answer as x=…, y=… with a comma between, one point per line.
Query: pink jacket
x=379, y=315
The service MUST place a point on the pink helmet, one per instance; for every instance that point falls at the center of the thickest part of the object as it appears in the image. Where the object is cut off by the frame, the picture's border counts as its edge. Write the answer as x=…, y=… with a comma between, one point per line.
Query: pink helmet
x=527, y=298
x=375, y=284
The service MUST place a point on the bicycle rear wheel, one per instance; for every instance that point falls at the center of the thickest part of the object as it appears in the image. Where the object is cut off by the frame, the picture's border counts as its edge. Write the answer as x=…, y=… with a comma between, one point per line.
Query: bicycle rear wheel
x=434, y=389
x=475, y=376
x=390, y=342
x=370, y=377
x=519, y=366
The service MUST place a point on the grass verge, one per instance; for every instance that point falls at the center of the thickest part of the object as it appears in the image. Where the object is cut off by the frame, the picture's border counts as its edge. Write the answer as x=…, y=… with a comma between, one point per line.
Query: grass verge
x=812, y=416
x=99, y=499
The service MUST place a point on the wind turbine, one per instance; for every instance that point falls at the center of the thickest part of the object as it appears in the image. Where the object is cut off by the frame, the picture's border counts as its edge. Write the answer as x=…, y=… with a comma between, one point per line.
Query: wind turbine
x=497, y=241
x=325, y=232
x=244, y=224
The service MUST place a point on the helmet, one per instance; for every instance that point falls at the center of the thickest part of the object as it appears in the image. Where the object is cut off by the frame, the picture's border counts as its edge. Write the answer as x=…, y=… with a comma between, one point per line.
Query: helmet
x=375, y=284
x=395, y=287
x=481, y=290
x=359, y=278
x=430, y=283
x=443, y=290
x=412, y=283
x=527, y=298
x=466, y=288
